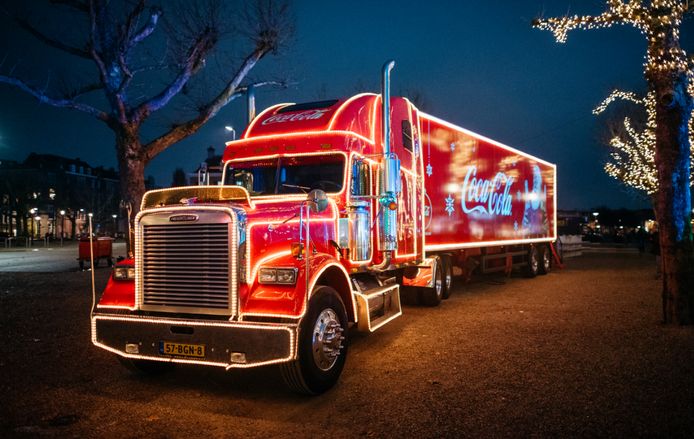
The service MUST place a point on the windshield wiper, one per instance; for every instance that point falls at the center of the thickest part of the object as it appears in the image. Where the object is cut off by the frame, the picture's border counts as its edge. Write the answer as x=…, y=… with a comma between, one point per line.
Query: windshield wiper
x=304, y=189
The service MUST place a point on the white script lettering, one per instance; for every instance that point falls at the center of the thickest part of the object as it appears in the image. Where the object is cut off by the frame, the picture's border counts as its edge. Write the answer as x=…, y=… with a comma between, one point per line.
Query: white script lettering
x=291, y=117
x=484, y=196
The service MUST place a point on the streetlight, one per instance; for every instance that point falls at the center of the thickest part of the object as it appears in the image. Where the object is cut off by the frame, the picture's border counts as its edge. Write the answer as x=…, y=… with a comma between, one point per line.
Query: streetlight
x=115, y=226
x=232, y=130
x=38, y=225
x=62, y=227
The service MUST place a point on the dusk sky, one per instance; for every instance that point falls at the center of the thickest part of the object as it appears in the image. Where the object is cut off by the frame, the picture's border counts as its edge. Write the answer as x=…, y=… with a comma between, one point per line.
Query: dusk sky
x=477, y=64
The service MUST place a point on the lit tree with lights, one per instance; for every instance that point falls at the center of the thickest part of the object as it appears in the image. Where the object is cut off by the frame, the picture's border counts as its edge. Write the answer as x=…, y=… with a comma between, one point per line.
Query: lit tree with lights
x=632, y=159
x=668, y=76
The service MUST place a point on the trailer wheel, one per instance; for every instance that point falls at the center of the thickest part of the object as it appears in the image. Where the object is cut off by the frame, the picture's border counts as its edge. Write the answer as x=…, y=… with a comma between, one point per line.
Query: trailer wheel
x=146, y=367
x=432, y=296
x=322, y=346
x=447, y=276
x=545, y=260
x=533, y=266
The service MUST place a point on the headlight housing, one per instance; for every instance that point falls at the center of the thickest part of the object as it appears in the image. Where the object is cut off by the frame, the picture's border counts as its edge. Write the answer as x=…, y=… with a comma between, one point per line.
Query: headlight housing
x=281, y=276
x=124, y=273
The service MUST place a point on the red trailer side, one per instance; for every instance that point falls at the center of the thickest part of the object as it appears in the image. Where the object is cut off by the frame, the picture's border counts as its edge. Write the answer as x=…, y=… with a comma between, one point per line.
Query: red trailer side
x=480, y=192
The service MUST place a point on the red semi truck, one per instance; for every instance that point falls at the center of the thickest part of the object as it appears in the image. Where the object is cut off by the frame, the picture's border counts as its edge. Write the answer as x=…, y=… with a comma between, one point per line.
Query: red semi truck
x=327, y=210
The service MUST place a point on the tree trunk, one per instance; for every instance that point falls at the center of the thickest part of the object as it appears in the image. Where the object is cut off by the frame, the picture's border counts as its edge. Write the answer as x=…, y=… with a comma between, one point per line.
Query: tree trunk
x=673, y=199
x=131, y=167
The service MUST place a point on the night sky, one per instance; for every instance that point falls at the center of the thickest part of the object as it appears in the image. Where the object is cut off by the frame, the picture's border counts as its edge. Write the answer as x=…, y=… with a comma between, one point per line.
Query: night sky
x=478, y=64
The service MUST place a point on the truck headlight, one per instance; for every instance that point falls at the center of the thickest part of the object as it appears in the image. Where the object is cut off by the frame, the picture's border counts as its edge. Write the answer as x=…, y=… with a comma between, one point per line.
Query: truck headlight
x=124, y=273
x=283, y=276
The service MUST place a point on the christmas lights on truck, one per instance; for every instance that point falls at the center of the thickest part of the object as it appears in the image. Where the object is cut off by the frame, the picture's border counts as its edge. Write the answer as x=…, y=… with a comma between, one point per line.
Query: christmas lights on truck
x=326, y=211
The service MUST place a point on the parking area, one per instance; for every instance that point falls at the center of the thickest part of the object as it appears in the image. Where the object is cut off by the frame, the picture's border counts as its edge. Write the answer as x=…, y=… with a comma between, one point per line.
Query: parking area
x=578, y=352
x=40, y=258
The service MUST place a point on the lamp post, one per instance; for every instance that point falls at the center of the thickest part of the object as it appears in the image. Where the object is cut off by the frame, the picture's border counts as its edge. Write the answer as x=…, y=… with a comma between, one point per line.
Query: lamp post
x=81, y=218
x=115, y=225
x=232, y=130
x=62, y=227
x=38, y=226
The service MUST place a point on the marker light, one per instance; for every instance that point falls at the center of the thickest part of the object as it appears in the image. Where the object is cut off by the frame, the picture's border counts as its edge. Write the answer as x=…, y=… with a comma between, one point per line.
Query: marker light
x=283, y=276
x=393, y=205
x=297, y=249
x=124, y=273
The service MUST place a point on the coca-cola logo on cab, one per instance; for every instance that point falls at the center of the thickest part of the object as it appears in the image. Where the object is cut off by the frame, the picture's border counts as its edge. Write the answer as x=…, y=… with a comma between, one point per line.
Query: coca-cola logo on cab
x=293, y=117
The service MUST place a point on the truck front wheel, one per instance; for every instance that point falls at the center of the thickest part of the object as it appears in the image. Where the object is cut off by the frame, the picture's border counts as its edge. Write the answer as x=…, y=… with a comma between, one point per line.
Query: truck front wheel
x=322, y=346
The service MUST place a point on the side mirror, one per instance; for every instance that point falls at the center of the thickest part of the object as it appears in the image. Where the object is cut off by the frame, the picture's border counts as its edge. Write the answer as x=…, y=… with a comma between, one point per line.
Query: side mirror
x=317, y=201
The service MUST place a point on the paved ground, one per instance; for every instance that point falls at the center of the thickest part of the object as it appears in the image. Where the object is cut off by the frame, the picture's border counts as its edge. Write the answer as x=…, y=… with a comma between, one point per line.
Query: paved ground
x=575, y=353
x=46, y=259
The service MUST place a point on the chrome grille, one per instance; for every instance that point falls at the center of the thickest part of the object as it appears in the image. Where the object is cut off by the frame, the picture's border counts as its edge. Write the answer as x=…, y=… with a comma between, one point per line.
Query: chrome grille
x=186, y=266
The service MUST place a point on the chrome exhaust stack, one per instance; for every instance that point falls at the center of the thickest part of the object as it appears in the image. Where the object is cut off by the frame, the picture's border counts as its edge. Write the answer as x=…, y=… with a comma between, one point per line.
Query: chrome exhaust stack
x=390, y=178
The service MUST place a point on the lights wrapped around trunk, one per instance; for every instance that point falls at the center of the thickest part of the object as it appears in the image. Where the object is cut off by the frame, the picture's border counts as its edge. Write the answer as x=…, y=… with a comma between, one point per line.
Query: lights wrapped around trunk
x=124, y=273
x=282, y=276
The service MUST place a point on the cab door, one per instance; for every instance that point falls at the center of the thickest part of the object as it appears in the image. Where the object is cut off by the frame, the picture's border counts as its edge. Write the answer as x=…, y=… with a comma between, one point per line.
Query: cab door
x=403, y=144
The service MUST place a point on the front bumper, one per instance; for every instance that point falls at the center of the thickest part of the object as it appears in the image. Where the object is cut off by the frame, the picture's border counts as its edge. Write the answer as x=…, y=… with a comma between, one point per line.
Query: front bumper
x=227, y=344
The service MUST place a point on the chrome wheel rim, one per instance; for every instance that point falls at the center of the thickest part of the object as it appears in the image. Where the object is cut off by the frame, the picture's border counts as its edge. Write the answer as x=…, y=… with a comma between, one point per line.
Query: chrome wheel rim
x=546, y=261
x=438, y=284
x=449, y=279
x=327, y=339
x=534, y=265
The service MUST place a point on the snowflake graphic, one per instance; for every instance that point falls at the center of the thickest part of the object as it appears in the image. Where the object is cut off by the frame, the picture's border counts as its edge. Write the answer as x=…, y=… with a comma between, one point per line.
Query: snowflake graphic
x=449, y=205
x=515, y=226
x=452, y=146
x=430, y=170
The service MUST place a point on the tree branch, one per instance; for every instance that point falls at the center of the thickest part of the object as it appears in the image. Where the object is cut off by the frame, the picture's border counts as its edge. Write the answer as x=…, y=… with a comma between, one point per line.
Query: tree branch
x=618, y=12
x=56, y=102
x=24, y=24
x=146, y=29
x=88, y=88
x=230, y=92
x=194, y=60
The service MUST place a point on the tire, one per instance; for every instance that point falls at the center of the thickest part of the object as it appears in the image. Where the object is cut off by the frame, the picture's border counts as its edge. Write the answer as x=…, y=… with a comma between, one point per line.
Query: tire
x=533, y=265
x=545, y=260
x=318, y=365
x=146, y=367
x=447, y=276
x=432, y=296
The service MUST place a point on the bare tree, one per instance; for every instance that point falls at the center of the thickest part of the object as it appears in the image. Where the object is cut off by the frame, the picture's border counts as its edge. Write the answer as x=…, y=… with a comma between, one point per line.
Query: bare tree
x=140, y=69
x=667, y=73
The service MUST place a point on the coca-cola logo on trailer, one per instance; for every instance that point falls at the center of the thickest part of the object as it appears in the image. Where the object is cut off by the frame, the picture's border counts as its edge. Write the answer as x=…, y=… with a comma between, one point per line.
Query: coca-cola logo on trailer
x=486, y=196
x=293, y=117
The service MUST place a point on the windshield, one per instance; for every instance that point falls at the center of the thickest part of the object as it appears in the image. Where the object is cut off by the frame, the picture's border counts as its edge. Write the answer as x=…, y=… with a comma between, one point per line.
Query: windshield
x=288, y=175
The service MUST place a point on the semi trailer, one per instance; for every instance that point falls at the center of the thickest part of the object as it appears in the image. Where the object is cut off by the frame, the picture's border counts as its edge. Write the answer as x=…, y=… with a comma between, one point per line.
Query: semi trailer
x=327, y=211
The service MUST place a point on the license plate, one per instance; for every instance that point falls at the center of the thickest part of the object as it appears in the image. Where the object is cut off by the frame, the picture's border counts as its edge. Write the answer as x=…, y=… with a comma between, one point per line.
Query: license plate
x=181, y=349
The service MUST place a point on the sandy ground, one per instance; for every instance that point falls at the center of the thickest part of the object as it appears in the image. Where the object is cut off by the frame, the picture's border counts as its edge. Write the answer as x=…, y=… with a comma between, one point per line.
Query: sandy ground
x=579, y=352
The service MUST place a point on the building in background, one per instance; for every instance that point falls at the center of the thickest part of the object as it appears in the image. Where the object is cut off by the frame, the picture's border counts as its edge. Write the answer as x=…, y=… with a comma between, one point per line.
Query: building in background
x=51, y=196
x=209, y=171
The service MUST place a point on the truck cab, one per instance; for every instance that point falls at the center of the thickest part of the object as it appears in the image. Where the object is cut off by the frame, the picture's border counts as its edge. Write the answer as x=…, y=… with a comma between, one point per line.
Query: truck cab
x=325, y=210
